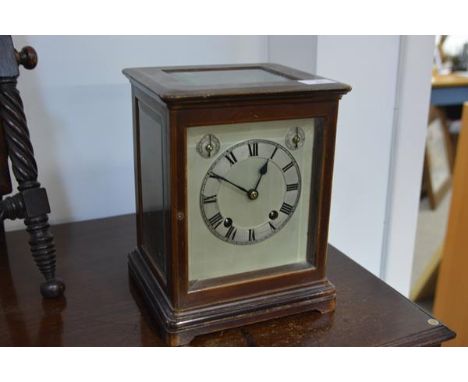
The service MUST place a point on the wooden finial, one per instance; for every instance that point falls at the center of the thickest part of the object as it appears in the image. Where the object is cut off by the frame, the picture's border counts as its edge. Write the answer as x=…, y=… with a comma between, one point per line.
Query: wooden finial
x=27, y=57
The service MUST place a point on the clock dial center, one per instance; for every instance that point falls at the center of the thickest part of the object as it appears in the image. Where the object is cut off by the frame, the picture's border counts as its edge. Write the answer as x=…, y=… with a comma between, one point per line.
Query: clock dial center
x=250, y=209
x=252, y=194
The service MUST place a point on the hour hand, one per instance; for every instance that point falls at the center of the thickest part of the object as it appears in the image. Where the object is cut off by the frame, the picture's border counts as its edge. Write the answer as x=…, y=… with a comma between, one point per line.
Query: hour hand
x=263, y=170
x=216, y=176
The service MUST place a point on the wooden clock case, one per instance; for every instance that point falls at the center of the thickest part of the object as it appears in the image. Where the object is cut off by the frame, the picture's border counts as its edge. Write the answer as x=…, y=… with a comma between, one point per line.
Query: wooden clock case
x=185, y=309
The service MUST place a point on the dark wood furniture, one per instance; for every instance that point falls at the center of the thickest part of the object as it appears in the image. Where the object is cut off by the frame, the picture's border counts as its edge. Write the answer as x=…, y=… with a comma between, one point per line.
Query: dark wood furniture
x=165, y=108
x=102, y=308
x=31, y=202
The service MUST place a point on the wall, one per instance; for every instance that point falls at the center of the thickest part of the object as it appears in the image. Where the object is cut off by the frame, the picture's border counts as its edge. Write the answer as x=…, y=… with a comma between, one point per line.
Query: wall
x=365, y=122
x=299, y=52
x=78, y=106
x=409, y=136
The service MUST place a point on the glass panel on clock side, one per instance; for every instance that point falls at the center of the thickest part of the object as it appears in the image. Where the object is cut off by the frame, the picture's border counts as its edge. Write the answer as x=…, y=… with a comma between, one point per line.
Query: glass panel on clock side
x=273, y=229
x=154, y=203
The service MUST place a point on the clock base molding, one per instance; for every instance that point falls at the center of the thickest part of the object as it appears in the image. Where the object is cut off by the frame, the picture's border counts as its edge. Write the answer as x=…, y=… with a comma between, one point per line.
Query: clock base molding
x=181, y=327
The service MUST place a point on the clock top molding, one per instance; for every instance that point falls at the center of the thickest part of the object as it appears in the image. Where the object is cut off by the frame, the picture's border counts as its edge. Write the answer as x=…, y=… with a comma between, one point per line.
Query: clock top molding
x=182, y=84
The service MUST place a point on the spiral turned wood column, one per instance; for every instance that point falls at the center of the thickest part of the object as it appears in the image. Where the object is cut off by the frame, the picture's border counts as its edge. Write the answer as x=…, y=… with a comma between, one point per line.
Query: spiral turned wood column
x=31, y=202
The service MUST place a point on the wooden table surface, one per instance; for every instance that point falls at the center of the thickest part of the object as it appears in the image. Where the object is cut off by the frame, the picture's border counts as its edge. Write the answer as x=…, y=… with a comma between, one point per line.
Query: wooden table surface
x=101, y=308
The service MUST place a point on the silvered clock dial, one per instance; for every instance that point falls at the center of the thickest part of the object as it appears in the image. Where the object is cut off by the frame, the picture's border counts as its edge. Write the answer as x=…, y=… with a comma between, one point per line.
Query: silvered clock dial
x=249, y=204
x=250, y=192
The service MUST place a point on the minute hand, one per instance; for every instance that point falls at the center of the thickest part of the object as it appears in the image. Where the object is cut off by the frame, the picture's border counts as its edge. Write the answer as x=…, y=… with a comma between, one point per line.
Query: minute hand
x=216, y=176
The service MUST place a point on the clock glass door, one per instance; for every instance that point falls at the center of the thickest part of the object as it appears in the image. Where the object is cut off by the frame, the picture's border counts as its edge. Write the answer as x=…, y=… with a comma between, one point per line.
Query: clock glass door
x=250, y=189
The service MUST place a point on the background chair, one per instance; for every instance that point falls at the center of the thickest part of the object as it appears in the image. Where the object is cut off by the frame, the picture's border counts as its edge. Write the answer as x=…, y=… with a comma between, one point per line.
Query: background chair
x=30, y=203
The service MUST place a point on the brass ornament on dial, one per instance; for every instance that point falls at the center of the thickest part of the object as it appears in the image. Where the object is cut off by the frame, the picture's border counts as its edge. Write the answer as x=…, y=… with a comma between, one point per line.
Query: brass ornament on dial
x=295, y=138
x=208, y=146
x=255, y=185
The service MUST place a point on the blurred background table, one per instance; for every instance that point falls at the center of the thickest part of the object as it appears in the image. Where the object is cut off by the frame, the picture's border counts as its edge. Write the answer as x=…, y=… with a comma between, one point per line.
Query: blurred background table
x=449, y=89
x=101, y=308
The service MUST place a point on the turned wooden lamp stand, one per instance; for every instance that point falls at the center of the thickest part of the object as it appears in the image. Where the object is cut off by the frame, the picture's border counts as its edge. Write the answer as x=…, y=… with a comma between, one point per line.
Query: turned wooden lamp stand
x=30, y=203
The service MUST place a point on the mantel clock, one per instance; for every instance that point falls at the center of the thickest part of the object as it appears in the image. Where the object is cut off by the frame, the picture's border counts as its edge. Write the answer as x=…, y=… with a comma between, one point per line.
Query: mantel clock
x=233, y=172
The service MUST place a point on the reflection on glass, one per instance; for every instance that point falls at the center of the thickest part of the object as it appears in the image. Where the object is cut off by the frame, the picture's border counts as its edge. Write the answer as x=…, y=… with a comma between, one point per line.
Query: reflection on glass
x=226, y=77
x=152, y=186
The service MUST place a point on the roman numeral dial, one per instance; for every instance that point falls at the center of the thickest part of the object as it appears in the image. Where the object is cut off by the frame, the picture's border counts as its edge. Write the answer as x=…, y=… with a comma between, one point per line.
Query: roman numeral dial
x=250, y=192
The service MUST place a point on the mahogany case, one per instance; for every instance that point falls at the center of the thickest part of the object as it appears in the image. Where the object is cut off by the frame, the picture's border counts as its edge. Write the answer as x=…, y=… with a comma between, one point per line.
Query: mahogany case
x=164, y=107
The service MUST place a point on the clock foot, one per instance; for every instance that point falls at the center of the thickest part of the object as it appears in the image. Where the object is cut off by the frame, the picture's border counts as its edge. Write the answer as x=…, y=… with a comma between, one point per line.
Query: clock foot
x=181, y=327
x=178, y=339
